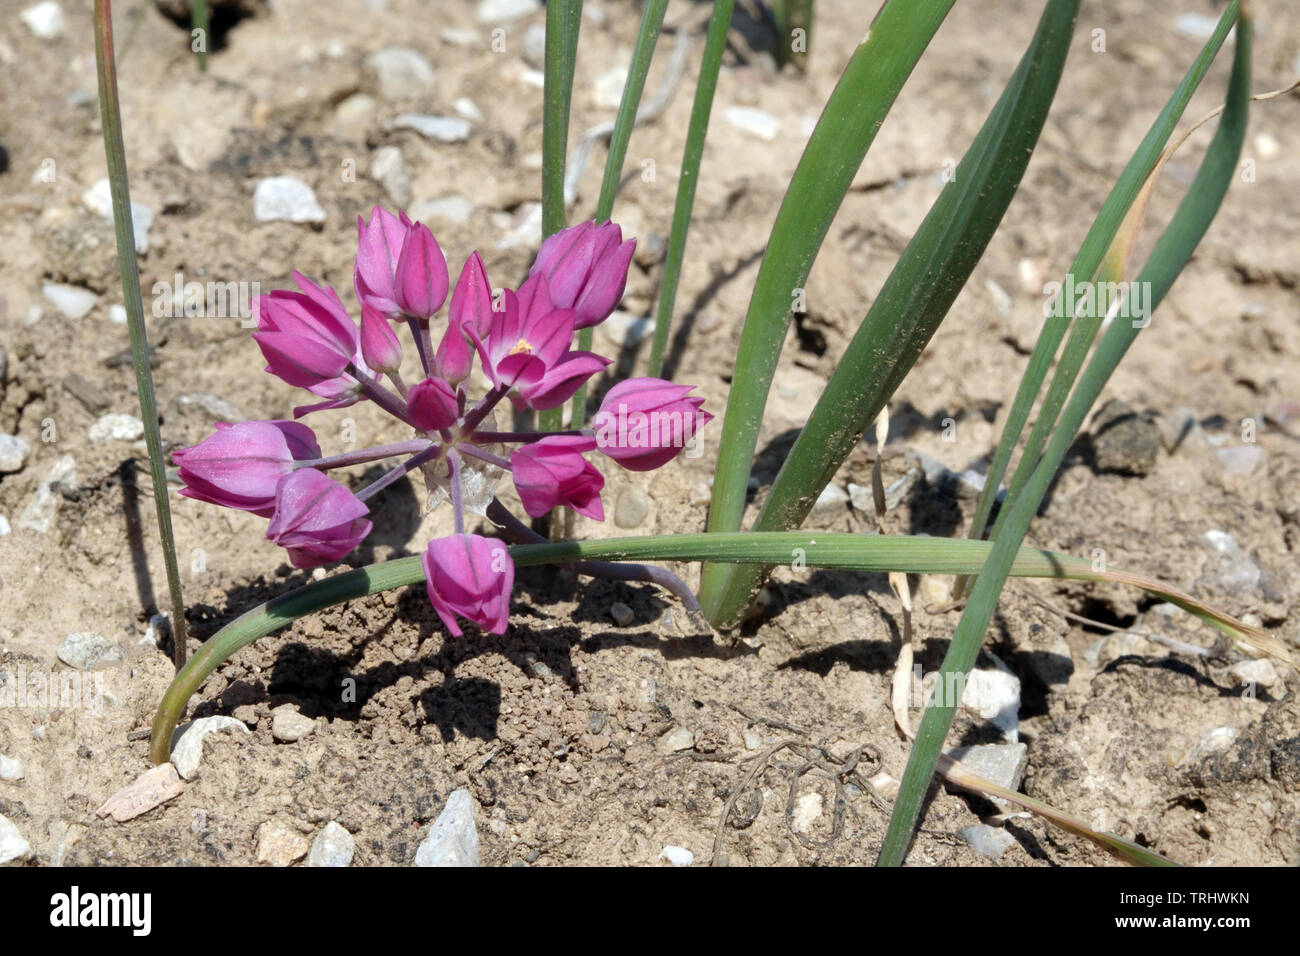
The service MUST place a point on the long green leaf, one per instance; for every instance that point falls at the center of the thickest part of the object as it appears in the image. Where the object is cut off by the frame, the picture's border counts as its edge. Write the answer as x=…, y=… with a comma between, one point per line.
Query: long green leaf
x=919, y=555
x=863, y=96
x=563, y=21
x=714, y=46
x=1086, y=264
x=1170, y=254
x=652, y=21
x=916, y=296
x=110, y=112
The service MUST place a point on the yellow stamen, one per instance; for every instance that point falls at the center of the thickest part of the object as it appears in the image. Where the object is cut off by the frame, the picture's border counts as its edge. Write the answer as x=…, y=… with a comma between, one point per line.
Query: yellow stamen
x=523, y=345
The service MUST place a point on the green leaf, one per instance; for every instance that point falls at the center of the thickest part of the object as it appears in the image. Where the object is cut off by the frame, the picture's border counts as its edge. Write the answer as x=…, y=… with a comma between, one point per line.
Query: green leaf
x=1099, y=239
x=863, y=96
x=915, y=298
x=110, y=112
x=1171, y=252
x=920, y=555
x=714, y=46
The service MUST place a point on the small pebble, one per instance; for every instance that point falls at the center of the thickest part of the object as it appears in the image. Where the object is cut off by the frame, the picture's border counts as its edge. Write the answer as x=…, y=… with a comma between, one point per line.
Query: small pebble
x=624, y=330
x=400, y=73
x=99, y=200
x=448, y=209
x=678, y=856
x=73, y=301
x=152, y=788
x=755, y=122
x=11, y=768
x=443, y=129
x=333, y=846
x=1003, y=764
x=621, y=613
x=354, y=117
x=453, y=838
x=533, y=47
x=117, y=427
x=506, y=11
x=187, y=742
x=13, y=848
x=388, y=169
x=44, y=19
x=631, y=507
x=753, y=739
x=466, y=108
x=676, y=740
x=13, y=453
x=278, y=845
x=87, y=651
x=1259, y=672
x=987, y=841
x=830, y=502
x=1240, y=459
x=288, y=725
x=285, y=199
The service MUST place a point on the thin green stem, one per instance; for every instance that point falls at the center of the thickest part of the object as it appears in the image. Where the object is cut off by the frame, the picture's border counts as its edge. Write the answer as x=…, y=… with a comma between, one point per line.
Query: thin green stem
x=115, y=151
x=714, y=46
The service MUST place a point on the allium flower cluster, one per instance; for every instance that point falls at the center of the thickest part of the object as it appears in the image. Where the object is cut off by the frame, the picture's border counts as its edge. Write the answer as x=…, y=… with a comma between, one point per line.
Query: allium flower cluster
x=522, y=341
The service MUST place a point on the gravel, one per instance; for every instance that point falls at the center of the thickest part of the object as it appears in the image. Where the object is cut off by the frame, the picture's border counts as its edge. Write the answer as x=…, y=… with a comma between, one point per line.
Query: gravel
x=453, y=838
x=285, y=199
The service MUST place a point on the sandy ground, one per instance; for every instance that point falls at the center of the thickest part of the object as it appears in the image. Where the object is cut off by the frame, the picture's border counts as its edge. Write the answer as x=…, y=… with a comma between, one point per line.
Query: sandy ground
x=565, y=729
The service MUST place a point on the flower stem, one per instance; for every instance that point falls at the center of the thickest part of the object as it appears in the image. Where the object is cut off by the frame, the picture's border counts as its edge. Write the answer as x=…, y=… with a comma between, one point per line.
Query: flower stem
x=410, y=464
x=491, y=438
x=486, y=456
x=381, y=396
x=423, y=341
x=457, y=492
x=379, y=452
x=480, y=411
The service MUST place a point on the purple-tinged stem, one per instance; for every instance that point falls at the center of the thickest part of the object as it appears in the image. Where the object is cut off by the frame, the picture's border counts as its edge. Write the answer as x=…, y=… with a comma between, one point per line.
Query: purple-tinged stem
x=512, y=529
x=381, y=396
x=423, y=341
x=486, y=456
x=493, y=438
x=409, y=465
x=457, y=492
x=398, y=384
x=379, y=452
x=480, y=411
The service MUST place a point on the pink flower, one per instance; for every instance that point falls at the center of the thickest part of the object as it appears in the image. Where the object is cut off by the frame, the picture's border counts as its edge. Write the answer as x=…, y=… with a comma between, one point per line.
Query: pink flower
x=307, y=337
x=379, y=246
x=528, y=350
x=316, y=519
x=472, y=576
x=471, y=301
x=433, y=405
x=586, y=266
x=552, y=472
x=420, y=282
x=644, y=422
x=241, y=465
x=379, y=346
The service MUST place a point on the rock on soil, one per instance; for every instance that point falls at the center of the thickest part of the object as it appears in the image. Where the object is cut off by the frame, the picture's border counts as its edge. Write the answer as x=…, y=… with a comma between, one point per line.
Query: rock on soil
x=87, y=651
x=333, y=846
x=453, y=837
x=187, y=744
x=13, y=848
x=278, y=845
x=287, y=199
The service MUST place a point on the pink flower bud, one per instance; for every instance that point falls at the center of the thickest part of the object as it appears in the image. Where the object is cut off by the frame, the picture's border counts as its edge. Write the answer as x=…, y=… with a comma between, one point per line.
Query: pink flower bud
x=379, y=346
x=241, y=465
x=379, y=244
x=307, y=337
x=316, y=519
x=472, y=576
x=644, y=422
x=471, y=301
x=586, y=266
x=420, y=282
x=552, y=472
x=454, y=359
x=433, y=405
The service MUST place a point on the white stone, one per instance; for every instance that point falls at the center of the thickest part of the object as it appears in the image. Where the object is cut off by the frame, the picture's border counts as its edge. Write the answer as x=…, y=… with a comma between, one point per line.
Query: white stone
x=987, y=841
x=333, y=846
x=621, y=614
x=1212, y=742
x=995, y=696
x=285, y=199
x=807, y=811
x=1003, y=764
x=830, y=502
x=505, y=11
x=13, y=848
x=527, y=229
x=448, y=209
x=13, y=453
x=861, y=498
x=676, y=740
x=11, y=768
x=624, y=330
x=116, y=426
x=1196, y=25
x=1259, y=672
x=99, y=200
x=462, y=37
x=452, y=839
x=45, y=19
x=187, y=742
x=443, y=129
x=607, y=89
x=753, y=121
x=388, y=168
x=4, y=526
x=678, y=856
x=288, y=725
x=88, y=651
x=117, y=314
x=73, y=301
x=400, y=73
x=468, y=109
x=39, y=511
x=533, y=48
